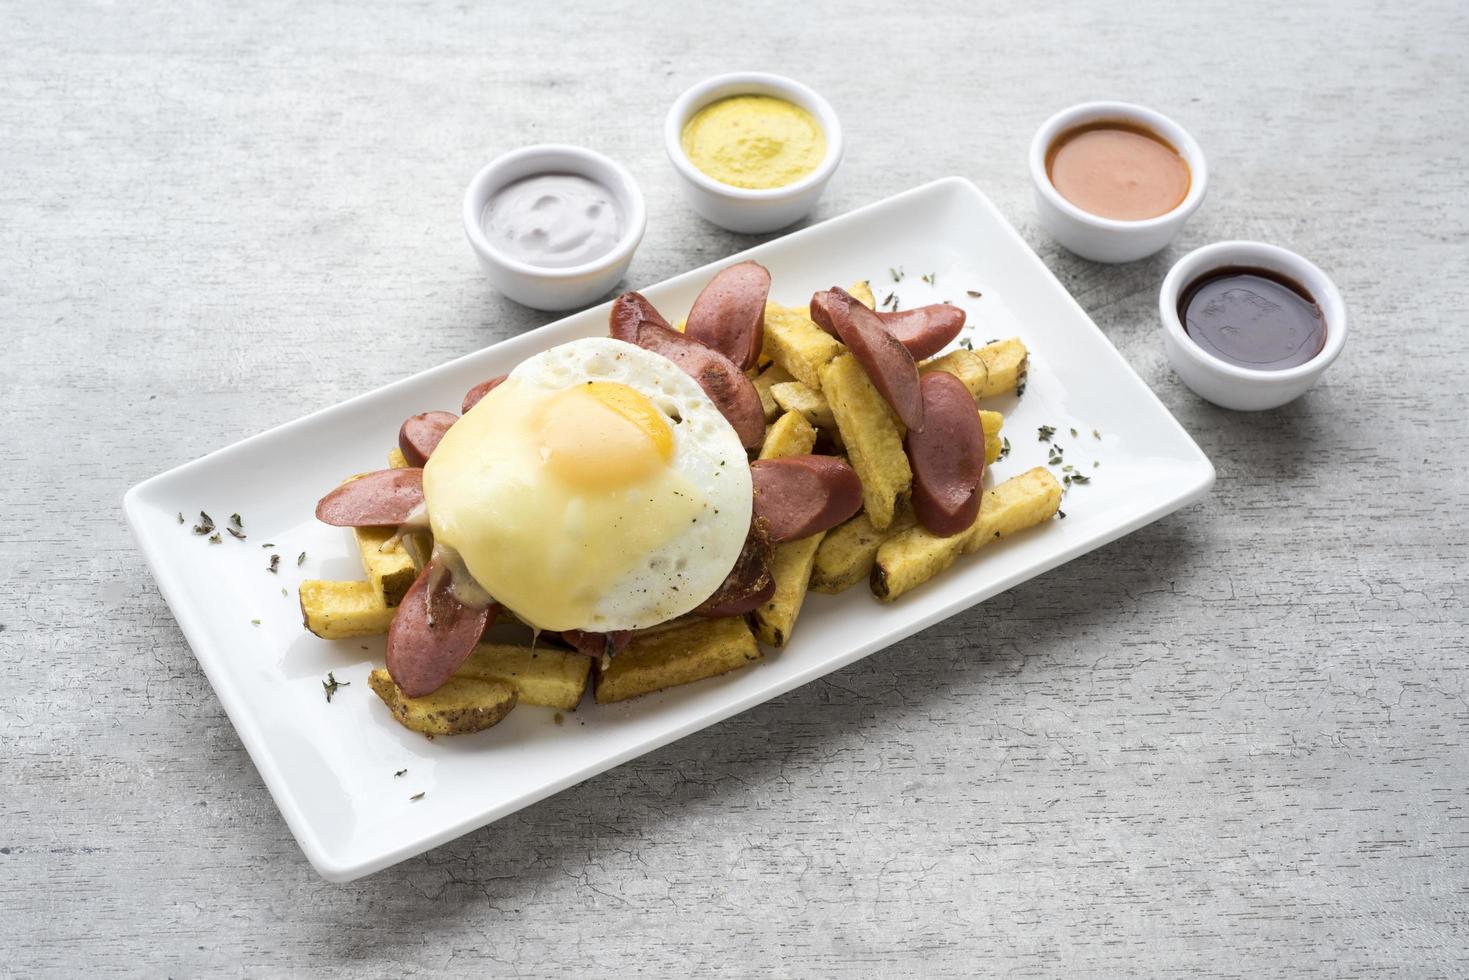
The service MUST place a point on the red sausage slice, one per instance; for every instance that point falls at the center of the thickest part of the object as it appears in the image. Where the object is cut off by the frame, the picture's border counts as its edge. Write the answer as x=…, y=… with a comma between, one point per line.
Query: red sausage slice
x=630, y=312
x=432, y=633
x=887, y=362
x=420, y=435
x=800, y=495
x=597, y=645
x=947, y=457
x=729, y=315
x=750, y=583
x=924, y=331
x=379, y=499
x=634, y=320
x=473, y=395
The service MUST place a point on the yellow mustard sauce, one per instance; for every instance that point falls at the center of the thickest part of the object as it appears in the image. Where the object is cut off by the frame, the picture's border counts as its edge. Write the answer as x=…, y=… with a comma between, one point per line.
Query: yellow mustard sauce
x=754, y=141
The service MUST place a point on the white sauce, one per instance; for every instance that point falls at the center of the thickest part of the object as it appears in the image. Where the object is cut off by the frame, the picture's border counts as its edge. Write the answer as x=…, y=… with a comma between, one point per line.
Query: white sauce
x=554, y=220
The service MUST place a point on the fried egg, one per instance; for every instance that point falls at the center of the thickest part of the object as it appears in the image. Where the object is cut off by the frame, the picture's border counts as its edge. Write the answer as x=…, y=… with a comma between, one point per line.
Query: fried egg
x=598, y=488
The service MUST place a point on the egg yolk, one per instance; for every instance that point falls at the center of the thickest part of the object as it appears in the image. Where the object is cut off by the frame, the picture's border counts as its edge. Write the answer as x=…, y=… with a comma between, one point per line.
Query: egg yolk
x=602, y=435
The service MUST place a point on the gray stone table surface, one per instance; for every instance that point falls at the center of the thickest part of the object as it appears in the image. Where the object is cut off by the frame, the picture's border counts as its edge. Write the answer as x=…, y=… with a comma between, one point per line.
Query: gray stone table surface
x=1234, y=743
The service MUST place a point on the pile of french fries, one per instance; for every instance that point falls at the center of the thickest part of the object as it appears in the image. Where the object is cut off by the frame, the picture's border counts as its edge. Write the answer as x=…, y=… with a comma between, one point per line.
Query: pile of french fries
x=812, y=389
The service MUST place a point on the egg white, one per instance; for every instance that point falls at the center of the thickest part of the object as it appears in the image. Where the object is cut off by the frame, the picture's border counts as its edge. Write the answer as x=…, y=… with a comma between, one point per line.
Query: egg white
x=562, y=559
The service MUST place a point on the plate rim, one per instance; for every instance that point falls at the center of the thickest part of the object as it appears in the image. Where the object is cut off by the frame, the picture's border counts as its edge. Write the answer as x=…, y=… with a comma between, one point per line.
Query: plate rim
x=1196, y=479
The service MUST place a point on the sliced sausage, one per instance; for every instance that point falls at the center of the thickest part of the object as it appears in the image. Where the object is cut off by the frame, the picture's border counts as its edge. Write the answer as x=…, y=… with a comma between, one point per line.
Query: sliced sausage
x=630, y=312
x=729, y=315
x=432, y=633
x=924, y=331
x=420, y=435
x=380, y=499
x=633, y=319
x=947, y=456
x=887, y=362
x=597, y=645
x=750, y=583
x=473, y=395
x=798, y=496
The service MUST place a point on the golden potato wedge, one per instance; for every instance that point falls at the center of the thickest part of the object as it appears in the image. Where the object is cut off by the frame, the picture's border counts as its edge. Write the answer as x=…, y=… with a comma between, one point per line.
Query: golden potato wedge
x=989, y=371
x=791, y=435
x=848, y=551
x=338, y=610
x=911, y=558
x=681, y=654
x=391, y=572
x=871, y=436
x=794, y=396
x=461, y=706
x=542, y=676
x=763, y=382
x=791, y=569
x=966, y=365
x=796, y=344
x=862, y=292
x=992, y=422
x=396, y=459
x=1032, y=498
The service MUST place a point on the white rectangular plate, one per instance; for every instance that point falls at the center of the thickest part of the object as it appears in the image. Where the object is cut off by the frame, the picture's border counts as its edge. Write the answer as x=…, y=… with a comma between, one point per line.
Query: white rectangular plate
x=331, y=766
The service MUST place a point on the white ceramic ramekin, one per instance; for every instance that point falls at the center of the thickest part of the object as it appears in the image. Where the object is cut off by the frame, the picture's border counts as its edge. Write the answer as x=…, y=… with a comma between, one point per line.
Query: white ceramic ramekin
x=1107, y=239
x=1229, y=385
x=738, y=208
x=546, y=288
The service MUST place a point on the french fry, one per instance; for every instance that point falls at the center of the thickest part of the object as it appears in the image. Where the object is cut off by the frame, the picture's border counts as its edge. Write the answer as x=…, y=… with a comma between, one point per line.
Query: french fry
x=873, y=441
x=1033, y=498
x=681, y=654
x=339, y=610
x=460, y=706
x=796, y=344
x=794, y=396
x=911, y=558
x=791, y=568
x=989, y=371
x=791, y=435
x=763, y=382
x=848, y=551
x=391, y=572
x=396, y=459
x=992, y=422
x=547, y=677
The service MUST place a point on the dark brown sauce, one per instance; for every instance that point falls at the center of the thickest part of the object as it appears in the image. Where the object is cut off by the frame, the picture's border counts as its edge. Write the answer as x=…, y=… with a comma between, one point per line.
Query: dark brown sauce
x=1253, y=317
